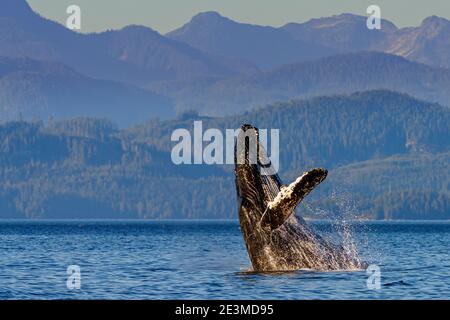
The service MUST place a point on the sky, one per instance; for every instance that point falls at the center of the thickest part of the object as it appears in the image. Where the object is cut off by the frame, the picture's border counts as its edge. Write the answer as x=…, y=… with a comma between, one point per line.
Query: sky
x=167, y=15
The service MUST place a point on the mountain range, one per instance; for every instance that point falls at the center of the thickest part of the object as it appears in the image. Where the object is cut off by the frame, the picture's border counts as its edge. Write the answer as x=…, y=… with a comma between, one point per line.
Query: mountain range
x=338, y=74
x=133, y=54
x=31, y=89
x=294, y=42
x=211, y=64
x=86, y=119
x=387, y=155
x=267, y=47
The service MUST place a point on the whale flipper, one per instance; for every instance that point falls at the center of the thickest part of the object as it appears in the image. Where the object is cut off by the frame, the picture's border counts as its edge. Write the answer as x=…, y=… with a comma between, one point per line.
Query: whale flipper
x=283, y=205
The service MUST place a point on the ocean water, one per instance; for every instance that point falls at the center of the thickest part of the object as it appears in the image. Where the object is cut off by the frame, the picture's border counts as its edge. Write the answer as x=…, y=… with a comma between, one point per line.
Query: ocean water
x=208, y=260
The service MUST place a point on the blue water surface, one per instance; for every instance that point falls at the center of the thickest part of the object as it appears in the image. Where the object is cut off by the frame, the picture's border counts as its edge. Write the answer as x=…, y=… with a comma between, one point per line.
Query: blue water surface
x=208, y=260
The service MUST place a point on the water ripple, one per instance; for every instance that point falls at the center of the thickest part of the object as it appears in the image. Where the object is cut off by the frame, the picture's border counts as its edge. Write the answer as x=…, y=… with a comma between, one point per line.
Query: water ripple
x=207, y=260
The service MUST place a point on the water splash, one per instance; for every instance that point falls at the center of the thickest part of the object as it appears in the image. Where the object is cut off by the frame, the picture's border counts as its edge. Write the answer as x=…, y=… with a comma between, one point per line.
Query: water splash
x=344, y=220
x=348, y=214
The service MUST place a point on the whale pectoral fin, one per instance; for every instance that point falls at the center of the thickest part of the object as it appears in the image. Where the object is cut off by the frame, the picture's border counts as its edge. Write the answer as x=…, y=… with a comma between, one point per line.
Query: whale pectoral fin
x=279, y=210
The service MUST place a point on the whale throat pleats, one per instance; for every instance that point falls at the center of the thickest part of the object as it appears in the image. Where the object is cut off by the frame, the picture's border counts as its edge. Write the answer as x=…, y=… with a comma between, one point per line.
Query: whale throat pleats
x=283, y=205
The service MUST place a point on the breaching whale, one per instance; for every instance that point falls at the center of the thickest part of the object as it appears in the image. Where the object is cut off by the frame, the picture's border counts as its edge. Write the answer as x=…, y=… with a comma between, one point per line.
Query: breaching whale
x=276, y=239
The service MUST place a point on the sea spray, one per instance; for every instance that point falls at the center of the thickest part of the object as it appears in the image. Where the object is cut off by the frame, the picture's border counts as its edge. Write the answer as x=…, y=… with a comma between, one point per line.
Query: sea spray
x=343, y=221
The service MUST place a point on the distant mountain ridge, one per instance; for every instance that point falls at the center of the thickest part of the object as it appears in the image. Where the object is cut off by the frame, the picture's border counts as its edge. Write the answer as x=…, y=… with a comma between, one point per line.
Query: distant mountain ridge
x=212, y=45
x=215, y=65
x=267, y=47
x=31, y=89
x=136, y=55
x=428, y=43
x=339, y=74
x=323, y=130
x=344, y=33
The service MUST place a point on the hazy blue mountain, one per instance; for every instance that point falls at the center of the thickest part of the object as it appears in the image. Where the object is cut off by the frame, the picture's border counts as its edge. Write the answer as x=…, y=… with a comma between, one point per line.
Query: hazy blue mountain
x=166, y=59
x=210, y=45
x=224, y=53
x=294, y=42
x=133, y=54
x=343, y=33
x=333, y=130
x=388, y=156
x=428, y=43
x=31, y=89
x=338, y=74
x=23, y=33
x=267, y=47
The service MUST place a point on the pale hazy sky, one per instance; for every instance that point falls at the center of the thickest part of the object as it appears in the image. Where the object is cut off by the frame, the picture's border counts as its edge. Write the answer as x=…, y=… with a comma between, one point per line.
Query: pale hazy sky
x=166, y=15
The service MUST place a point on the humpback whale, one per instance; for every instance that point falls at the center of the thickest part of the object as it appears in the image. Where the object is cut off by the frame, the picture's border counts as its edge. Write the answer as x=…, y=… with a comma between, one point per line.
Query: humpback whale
x=275, y=238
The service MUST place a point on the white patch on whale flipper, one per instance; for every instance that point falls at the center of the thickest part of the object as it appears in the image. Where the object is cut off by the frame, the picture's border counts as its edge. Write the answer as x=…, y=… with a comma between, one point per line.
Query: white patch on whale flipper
x=285, y=193
x=283, y=205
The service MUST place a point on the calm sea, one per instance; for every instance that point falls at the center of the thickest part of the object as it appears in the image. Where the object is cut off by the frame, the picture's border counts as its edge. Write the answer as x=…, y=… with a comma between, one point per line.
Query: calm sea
x=208, y=260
